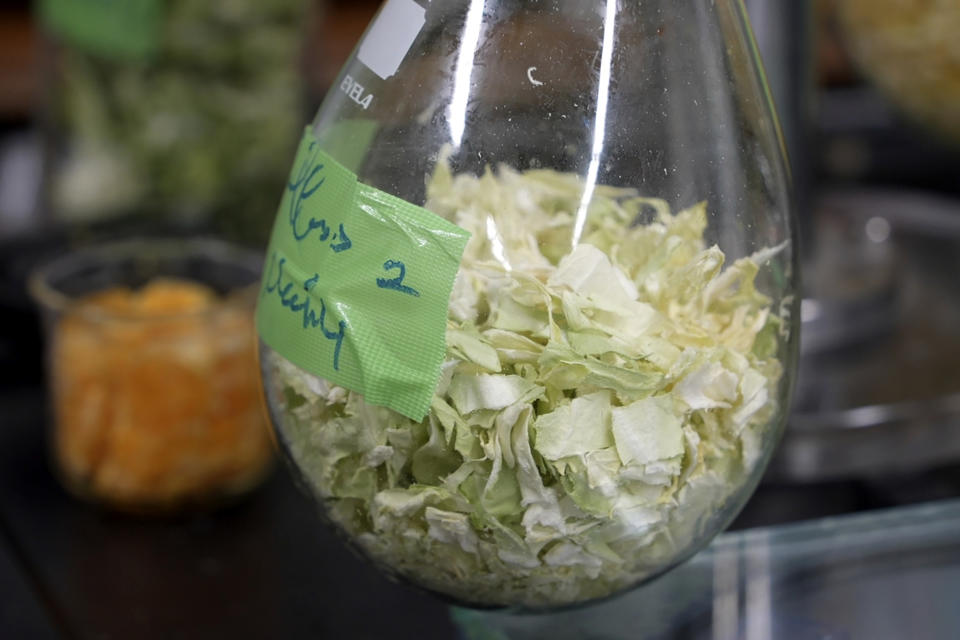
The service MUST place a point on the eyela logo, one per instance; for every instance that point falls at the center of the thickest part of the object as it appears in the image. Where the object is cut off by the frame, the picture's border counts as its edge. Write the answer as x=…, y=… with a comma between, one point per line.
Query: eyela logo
x=356, y=91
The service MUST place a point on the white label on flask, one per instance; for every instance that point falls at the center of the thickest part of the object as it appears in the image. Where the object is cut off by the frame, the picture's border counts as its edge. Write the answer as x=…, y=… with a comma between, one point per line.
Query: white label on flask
x=391, y=36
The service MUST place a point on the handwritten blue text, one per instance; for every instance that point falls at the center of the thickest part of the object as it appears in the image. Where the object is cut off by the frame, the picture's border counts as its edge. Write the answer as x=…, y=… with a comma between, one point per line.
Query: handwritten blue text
x=279, y=282
x=306, y=182
x=396, y=283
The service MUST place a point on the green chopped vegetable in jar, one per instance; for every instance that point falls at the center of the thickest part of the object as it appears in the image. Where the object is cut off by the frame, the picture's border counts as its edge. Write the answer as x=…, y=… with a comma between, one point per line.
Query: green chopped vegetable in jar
x=597, y=408
x=199, y=130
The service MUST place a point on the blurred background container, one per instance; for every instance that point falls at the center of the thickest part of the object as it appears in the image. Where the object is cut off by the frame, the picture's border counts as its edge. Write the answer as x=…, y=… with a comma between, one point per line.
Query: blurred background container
x=152, y=373
x=179, y=108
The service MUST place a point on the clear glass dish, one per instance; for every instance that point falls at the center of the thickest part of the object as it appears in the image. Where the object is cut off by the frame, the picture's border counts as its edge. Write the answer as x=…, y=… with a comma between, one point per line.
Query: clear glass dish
x=152, y=373
x=826, y=578
x=621, y=334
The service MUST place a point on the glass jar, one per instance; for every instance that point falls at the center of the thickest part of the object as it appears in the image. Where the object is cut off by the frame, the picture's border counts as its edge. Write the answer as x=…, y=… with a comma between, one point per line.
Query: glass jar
x=908, y=50
x=601, y=257
x=152, y=373
x=172, y=111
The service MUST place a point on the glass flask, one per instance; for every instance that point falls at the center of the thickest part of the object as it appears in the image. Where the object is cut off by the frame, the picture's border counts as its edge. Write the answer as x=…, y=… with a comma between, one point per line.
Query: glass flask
x=616, y=341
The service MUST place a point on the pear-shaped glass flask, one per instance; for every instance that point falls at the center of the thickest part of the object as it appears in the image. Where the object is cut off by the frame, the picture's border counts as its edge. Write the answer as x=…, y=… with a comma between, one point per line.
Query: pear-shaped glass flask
x=528, y=316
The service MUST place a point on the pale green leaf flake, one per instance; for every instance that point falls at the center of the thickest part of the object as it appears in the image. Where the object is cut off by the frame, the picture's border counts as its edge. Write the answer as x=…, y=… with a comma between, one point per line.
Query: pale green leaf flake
x=466, y=344
x=647, y=431
x=575, y=429
x=589, y=272
x=451, y=528
x=472, y=392
x=709, y=386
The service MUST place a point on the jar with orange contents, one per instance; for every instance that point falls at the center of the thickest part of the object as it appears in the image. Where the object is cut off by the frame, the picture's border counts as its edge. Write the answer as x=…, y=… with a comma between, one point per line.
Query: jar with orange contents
x=153, y=375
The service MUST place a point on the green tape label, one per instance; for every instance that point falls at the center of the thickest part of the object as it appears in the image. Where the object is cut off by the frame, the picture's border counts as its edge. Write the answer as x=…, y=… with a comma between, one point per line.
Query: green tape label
x=357, y=284
x=348, y=141
x=112, y=28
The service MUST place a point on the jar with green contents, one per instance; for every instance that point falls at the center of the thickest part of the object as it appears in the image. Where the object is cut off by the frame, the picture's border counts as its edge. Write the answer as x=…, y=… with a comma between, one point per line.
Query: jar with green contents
x=180, y=109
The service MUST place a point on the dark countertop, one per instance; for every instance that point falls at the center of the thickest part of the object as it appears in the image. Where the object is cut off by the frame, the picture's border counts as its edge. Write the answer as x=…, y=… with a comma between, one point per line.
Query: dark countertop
x=264, y=568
